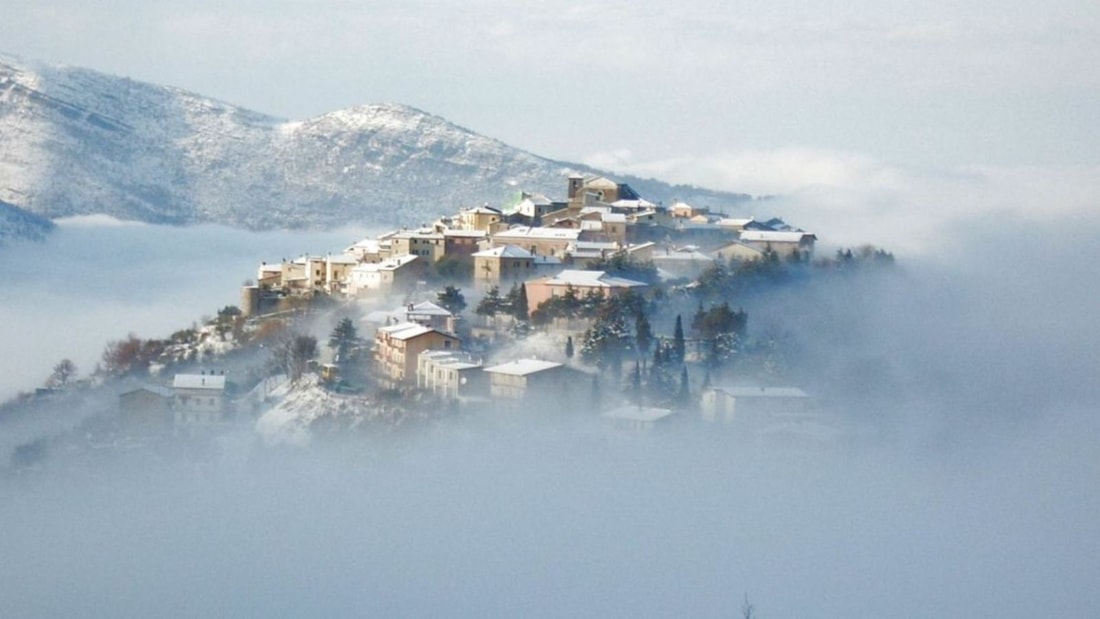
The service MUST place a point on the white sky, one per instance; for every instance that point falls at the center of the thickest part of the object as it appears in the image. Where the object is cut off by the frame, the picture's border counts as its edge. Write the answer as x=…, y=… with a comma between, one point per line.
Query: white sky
x=939, y=83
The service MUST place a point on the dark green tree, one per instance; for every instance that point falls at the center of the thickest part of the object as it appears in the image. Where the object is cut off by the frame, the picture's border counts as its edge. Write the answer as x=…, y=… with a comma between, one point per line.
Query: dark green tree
x=569, y=347
x=452, y=300
x=679, y=348
x=343, y=339
x=517, y=301
x=491, y=304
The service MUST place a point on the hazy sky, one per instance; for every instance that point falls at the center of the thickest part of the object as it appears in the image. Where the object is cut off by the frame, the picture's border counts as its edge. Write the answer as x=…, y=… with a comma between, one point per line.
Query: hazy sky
x=963, y=135
x=940, y=83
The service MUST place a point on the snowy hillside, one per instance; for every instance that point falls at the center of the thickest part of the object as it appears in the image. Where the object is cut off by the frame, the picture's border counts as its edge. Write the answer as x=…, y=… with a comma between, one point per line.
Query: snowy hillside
x=74, y=141
x=15, y=223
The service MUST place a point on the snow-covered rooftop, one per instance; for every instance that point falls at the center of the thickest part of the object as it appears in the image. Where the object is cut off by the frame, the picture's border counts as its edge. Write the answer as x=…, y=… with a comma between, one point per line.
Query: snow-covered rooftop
x=427, y=308
x=523, y=367
x=388, y=264
x=342, y=259
x=590, y=279
x=504, y=251
x=762, y=236
x=199, y=381
x=763, y=392
x=637, y=413
x=405, y=330
x=465, y=233
x=163, y=392
x=538, y=233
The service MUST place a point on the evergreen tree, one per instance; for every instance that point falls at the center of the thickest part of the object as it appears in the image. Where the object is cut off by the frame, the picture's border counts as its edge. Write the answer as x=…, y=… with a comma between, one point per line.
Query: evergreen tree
x=517, y=302
x=643, y=333
x=678, y=345
x=343, y=339
x=452, y=300
x=569, y=347
x=491, y=303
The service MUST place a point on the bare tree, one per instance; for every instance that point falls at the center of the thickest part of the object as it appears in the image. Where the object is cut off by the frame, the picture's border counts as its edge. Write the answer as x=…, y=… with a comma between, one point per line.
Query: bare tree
x=747, y=609
x=63, y=374
x=293, y=354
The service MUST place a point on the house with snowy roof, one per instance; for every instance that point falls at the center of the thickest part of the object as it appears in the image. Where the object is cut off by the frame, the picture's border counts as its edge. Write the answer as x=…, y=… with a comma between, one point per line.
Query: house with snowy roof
x=523, y=379
x=552, y=242
x=451, y=375
x=392, y=275
x=635, y=418
x=751, y=405
x=397, y=347
x=736, y=251
x=594, y=189
x=198, y=399
x=582, y=283
x=430, y=315
x=502, y=266
x=782, y=242
x=481, y=218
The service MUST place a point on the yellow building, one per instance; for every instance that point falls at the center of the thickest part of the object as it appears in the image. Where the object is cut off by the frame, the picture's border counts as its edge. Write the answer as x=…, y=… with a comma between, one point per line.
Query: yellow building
x=397, y=347
x=503, y=266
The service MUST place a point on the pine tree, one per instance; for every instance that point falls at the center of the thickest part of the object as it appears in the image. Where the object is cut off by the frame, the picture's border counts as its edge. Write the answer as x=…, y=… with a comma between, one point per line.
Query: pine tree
x=491, y=303
x=451, y=298
x=569, y=347
x=517, y=302
x=343, y=338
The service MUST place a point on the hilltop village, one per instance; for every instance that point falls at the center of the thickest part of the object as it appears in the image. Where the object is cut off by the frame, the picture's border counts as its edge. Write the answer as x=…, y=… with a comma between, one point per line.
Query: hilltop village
x=566, y=290
x=601, y=306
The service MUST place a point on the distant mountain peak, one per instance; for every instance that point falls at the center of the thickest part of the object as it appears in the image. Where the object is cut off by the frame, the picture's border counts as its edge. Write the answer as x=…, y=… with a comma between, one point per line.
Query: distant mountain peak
x=76, y=142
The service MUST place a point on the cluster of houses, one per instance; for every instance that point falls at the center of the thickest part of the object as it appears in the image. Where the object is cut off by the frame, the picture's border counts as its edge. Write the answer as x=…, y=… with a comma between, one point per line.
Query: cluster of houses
x=548, y=247
x=533, y=238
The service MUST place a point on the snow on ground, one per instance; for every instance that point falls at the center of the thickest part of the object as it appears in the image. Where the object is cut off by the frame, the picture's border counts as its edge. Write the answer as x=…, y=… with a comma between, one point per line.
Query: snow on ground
x=298, y=405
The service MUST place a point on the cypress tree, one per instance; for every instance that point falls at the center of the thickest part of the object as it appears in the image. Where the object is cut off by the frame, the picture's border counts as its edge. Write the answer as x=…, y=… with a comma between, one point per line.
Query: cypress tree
x=678, y=346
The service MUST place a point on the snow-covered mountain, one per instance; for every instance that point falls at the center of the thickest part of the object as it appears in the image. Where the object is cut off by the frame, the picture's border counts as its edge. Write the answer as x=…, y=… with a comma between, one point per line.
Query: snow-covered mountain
x=74, y=141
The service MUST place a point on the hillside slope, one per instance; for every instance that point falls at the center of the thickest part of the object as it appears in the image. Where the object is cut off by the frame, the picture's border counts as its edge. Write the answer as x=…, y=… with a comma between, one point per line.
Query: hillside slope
x=74, y=141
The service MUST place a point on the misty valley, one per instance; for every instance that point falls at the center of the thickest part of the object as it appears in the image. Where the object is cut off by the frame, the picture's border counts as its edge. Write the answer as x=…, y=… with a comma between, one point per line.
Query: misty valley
x=661, y=431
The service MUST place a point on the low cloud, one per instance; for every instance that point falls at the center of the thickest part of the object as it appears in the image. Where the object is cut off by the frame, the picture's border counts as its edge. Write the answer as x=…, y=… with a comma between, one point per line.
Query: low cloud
x=96, y=279
x=849, y=198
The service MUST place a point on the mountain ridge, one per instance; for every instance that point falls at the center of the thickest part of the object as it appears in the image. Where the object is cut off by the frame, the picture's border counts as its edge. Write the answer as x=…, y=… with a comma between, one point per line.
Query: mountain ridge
x=75, y=141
